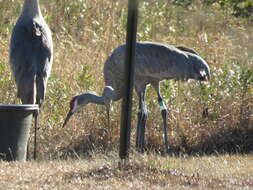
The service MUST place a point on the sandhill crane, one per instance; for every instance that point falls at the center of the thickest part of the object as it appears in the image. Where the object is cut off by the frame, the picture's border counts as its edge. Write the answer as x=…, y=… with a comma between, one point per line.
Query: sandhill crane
x=154, y=62
x=31, y=56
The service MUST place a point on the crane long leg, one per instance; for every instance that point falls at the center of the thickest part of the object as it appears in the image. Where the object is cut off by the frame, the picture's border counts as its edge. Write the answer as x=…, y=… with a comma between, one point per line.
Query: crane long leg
x=141, y=124
x=35, y=135
x=108, y=117
x=164, y=113
x=142, y=117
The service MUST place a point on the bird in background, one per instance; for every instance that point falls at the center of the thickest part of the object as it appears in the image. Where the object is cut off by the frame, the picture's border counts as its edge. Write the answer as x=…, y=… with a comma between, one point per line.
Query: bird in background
x=31, y=54
x=154, y=62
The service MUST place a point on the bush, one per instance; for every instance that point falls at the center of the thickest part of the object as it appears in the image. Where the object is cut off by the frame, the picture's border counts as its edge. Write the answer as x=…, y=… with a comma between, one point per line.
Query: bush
x=239, y=8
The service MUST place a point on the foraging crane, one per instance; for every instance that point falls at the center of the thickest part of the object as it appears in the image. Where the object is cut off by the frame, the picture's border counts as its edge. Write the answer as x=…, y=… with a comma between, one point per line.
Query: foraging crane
x=154, y=62
x=31, y=56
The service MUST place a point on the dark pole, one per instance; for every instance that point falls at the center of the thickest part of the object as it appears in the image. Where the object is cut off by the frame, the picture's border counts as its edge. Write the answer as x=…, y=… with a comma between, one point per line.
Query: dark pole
x=125, y=131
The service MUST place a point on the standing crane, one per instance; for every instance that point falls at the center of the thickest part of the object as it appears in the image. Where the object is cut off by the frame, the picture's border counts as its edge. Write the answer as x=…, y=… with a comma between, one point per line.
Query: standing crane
x=31, y=55
x=154, y=62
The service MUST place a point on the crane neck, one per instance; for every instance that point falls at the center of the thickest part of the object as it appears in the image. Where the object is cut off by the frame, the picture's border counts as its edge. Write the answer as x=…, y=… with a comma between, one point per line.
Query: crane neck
x=31, y=9
x=91, y=98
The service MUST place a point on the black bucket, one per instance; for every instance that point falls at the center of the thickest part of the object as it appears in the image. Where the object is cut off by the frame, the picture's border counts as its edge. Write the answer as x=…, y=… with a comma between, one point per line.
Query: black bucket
x=15, y=124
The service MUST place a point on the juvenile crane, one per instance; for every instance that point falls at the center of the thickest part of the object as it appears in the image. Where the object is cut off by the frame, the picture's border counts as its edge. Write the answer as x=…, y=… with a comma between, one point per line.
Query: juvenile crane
x=154, y=62
x=31, y=54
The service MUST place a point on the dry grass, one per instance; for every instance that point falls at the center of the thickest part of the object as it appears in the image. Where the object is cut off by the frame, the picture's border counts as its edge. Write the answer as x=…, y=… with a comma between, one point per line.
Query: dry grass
x=142, y=172
x=84, y=34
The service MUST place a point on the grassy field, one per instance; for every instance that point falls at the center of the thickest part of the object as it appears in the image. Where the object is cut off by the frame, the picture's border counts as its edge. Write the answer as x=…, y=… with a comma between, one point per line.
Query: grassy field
x=141, y=172
x=84, y=34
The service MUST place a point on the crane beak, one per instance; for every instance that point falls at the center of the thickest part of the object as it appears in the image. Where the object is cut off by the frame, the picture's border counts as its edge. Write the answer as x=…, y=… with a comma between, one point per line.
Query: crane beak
x=67, y=118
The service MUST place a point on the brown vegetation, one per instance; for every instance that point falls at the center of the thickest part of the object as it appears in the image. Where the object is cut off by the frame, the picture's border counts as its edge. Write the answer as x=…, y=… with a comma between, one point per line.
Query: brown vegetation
x=85, y=33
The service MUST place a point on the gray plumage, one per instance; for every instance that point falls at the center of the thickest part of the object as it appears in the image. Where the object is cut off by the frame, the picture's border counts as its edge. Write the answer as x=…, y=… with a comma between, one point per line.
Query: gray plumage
x=154, y=62
x=31, y=54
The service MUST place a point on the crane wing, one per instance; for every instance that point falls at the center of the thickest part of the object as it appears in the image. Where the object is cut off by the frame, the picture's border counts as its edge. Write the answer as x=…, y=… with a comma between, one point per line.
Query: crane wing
x=40, y=32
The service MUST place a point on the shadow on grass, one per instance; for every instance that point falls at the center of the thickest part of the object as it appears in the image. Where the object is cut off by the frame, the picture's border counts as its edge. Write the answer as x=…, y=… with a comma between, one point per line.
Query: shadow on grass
x=228, y=140
x=149, y=176
x=134, y=171
x=99, y=141
x=233, y=141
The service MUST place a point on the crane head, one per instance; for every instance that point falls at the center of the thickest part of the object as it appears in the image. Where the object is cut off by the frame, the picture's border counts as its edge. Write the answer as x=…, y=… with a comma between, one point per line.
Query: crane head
x=73, y=105
x=201, y=71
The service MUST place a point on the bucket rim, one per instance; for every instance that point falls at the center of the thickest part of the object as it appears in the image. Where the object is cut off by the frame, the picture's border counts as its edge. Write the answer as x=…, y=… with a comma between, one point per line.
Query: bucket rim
x=19, y=106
